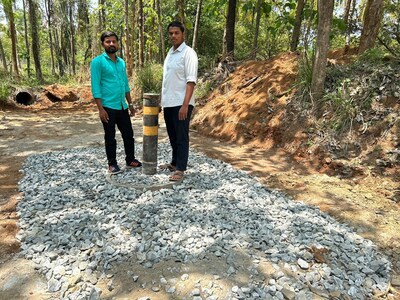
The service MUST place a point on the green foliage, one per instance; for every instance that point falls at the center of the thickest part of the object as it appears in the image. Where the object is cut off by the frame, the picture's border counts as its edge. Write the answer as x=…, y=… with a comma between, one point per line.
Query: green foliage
x=373, y=56
x=342, y=105
x=4, y=87
x=149, y=79
x=304, y=76
x=390, y=29
x=203, y=88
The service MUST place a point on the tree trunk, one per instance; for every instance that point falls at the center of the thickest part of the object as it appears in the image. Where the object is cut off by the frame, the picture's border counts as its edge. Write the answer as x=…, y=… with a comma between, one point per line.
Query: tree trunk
x=196, y=24
x=132, y=57
x=8, y=10
x=141, y=34
x=350, y=7
x=230, y=28
x=72, y=39
x=325, y=12
x=373, y=15
x=297, y=25
x=127, y=48
x=180, y=7
x=161, y=29
x=59, y=54
x=35, y=39
x=256, y=31
x=49, y=11
x=3, y=56
x=346, y=13
x=28, y=54
x=102, y=14
x=84, y=27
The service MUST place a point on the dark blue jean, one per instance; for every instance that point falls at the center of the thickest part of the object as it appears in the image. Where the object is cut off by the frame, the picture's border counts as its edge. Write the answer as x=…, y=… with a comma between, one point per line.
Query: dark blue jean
x=178, y=133
x=122, y=120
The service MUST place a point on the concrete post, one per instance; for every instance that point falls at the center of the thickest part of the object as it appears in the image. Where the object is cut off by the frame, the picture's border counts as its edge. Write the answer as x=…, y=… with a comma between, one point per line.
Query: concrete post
x=151, y=109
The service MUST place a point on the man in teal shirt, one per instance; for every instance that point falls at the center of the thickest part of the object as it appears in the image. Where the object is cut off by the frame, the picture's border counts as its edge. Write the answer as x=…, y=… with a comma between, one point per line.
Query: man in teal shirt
x=110, y=89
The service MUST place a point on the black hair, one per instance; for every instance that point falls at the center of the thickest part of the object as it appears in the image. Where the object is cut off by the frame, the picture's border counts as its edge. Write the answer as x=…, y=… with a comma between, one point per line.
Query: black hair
x=106, y=34
x=176, y=24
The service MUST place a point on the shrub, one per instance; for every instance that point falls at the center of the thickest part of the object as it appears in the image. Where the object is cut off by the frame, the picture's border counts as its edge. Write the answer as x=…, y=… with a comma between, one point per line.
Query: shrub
x=5, y=90
x=304, y=77
x=149, y=78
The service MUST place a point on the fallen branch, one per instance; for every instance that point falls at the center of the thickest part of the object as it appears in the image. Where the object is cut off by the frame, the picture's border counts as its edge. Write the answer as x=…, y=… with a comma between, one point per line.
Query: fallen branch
x=247, y=83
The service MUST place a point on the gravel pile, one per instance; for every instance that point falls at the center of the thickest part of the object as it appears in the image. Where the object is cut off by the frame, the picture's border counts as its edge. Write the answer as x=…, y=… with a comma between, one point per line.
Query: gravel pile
x=75, y=225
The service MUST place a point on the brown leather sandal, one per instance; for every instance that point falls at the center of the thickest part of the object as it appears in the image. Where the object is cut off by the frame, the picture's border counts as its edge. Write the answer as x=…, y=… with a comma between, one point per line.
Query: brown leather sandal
x=176, y=176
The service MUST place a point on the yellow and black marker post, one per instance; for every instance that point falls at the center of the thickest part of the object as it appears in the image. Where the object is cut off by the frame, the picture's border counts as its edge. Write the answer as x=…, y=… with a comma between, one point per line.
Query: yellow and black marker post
x=151, y=109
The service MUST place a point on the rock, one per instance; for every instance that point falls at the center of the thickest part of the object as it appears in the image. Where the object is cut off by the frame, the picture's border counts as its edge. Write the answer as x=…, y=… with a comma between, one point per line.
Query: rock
x=110, y=285
x=288, y=294
x=53, y=285
x=303, y=264
x=185, y=277
x=195, y=292
x=395, y=281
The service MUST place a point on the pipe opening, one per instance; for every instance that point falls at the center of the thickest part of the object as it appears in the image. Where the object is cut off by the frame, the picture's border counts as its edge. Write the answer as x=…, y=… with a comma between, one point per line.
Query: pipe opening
x=24, y=98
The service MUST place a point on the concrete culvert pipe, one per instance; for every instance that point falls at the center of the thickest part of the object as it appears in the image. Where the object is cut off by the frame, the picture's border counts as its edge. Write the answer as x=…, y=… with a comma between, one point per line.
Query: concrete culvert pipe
x=24, y=98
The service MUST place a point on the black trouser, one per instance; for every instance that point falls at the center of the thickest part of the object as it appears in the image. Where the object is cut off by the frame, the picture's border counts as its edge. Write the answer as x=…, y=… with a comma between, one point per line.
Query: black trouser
x=122, y=119
x=178, y=133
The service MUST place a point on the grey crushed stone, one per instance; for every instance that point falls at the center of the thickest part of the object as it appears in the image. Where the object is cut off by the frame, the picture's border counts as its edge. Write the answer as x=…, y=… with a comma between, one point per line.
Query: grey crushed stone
x=73, y=223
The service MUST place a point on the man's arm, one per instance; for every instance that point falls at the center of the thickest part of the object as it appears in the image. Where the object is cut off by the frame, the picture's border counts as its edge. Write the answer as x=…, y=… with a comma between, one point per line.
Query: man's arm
x=95, y=78
x=129, y=100
x=191, y=66
x=188, y=95
x=102, y=112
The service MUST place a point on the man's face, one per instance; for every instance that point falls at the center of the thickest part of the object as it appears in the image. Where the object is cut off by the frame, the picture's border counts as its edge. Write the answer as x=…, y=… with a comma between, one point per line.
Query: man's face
x=175, y=36
x=110, y=44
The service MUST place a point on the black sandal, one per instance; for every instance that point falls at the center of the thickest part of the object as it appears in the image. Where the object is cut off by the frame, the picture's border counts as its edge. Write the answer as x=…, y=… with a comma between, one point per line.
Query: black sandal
x=134, y=164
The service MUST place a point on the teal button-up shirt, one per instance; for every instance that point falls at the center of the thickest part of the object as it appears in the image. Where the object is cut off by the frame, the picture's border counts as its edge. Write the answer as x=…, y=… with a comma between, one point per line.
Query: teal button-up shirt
x=109, y=81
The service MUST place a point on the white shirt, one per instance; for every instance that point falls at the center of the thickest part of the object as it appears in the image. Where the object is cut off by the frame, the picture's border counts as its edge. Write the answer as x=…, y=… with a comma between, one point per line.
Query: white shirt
x=180, y=67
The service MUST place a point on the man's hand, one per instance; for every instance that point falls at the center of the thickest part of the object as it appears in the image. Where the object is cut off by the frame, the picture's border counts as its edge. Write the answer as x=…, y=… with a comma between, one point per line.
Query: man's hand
x=103, y=115
x=183, y=111
x=131, y=110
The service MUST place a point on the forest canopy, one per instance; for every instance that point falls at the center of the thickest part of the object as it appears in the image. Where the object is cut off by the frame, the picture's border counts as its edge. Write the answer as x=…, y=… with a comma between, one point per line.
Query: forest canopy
x=55, y=40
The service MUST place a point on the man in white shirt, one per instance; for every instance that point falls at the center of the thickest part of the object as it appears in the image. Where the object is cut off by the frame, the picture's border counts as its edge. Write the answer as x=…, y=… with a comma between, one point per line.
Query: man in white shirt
x=177, y=99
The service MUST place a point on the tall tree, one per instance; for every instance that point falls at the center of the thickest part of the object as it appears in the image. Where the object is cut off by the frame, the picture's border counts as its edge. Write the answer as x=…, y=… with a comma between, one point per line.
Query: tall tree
x=257, y=28
x=133, y=47
x=102, y=14
x=160, y=29
x=230, y=28
x=58, y=51
x=84, y=27
x=35, y=39
x=141, y=33
x=3, y=56
x=72, y=38
x=8, y=10
x=28, y=54
x=349, y=9
x=127, y=35
x=325, y=12
x=48, y=4
x=346, y=11
x=371, y=24
x=297, y=25
x=197, y=23
x=180, y=7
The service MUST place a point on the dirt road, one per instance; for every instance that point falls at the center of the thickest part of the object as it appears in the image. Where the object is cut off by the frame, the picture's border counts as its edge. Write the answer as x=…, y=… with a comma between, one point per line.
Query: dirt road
x=361, y=203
